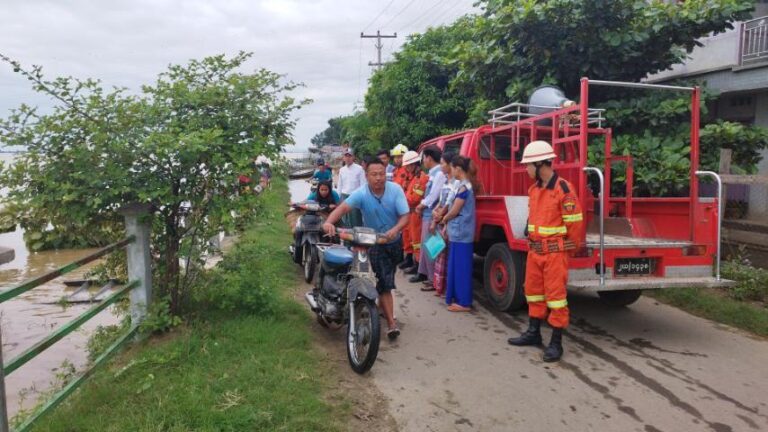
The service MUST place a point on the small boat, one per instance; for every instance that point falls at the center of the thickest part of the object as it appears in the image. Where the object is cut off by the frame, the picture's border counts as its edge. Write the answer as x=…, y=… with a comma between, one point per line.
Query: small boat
x=303, y=173
x=76, y=283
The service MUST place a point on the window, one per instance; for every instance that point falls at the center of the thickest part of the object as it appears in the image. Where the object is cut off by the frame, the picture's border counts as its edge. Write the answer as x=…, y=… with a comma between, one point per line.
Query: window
x=453, y=146
x=502, y=149
x=485, y=147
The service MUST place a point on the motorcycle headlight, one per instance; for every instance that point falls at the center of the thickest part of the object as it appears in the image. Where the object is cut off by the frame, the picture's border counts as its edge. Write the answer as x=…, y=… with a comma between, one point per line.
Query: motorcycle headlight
x=368, y=239
x=313, y=207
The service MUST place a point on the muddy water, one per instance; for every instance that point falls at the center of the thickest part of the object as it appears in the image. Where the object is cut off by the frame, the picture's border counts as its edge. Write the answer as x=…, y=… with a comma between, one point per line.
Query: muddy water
x=28, y=318
x=299, y=190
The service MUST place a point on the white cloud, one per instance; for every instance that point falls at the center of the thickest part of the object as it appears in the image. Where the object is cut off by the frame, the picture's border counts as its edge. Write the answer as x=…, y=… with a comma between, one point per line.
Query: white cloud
x=128, y=43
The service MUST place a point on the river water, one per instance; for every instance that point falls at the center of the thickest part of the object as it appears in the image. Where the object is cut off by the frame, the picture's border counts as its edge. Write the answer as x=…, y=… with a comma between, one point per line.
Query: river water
x=28, y=318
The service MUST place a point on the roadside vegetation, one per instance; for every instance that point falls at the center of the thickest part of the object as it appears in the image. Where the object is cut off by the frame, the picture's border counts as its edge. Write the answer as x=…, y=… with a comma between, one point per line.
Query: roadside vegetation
x=743, y=306
x=243, y=361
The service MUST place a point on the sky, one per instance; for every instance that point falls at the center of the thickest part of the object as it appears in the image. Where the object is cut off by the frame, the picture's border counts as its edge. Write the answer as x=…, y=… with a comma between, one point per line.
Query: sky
x=127, y=43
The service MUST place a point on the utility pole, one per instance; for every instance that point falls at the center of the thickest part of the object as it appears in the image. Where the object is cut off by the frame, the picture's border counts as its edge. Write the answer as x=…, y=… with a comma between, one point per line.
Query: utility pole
x=378, y=36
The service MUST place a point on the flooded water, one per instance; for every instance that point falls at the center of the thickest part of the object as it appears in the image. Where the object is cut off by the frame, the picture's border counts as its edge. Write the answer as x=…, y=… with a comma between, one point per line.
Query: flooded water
x=299, y=190
x=30, y=317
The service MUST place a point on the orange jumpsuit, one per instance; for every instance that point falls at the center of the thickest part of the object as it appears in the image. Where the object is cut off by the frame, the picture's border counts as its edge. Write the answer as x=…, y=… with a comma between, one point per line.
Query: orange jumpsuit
x=401, y=177
x=415, y=193
x=555, y=228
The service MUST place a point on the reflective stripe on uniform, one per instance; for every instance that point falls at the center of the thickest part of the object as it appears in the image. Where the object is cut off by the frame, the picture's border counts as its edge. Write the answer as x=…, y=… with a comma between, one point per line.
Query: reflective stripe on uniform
x=578, y=217
x=418, y=192
x=417, y=245
x=557, y=304
x=534, y=298
x=552, y=230
x=531, y=228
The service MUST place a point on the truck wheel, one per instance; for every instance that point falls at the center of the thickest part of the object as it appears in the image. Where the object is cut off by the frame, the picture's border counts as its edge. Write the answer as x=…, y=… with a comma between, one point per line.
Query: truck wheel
x=619, y=298
x=503, y=277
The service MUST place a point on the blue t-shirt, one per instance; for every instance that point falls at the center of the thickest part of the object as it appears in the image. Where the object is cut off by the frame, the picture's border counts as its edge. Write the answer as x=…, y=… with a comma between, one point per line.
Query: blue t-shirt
x=380, y=213
x=323, y=175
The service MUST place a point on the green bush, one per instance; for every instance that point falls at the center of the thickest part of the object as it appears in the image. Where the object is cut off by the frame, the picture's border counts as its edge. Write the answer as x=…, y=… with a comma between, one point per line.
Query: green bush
x=752, y=282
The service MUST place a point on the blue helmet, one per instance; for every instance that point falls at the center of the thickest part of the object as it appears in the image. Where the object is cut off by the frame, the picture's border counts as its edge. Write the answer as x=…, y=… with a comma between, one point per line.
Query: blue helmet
x=320, y=161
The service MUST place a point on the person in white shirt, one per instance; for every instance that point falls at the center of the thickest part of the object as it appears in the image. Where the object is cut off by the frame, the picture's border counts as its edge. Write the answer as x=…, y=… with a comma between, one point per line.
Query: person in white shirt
x=351, y=177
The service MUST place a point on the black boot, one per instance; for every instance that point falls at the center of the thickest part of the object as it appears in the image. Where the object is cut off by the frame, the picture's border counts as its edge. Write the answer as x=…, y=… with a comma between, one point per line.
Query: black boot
x=418, y=278
x=407, y=262
x=532, y=336
x=555, y=349
x=412, y=270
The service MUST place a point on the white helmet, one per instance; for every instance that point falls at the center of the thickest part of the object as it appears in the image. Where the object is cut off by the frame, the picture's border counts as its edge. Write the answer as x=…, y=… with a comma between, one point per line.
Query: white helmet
x=411, y=157
x=537, y=151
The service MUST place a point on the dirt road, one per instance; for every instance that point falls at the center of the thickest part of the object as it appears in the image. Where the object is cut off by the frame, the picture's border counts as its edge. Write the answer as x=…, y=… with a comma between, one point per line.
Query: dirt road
x=648, y=367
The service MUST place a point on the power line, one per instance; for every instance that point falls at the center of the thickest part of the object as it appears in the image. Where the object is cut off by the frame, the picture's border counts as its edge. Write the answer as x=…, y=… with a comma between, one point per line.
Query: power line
x=446, y=13
x=436, y=4
x=399, y=13
x=379, y=15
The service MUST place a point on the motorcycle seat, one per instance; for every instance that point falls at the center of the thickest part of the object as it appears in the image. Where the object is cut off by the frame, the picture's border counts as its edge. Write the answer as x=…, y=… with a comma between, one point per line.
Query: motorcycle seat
x=337, y=256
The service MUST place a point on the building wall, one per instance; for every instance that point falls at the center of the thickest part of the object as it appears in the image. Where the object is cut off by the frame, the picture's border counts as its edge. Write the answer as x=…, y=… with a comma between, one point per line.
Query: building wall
x=758, y=194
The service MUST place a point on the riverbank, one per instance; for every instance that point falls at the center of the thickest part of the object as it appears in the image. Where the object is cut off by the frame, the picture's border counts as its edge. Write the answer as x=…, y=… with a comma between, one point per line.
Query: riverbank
x=231, y=370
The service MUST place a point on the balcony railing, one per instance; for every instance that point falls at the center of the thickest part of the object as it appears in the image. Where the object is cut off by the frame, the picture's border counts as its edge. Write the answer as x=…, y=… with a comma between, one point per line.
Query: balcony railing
x=754, y=41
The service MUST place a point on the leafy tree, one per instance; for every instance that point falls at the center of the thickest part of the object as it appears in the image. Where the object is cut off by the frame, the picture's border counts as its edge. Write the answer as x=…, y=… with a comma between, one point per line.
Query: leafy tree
x=520, y=44
x=411, y=99
x=332, y=135
x=178, y=145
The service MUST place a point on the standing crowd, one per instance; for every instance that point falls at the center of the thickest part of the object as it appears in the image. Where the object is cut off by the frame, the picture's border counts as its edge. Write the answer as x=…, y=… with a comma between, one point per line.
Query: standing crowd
x=424, y=205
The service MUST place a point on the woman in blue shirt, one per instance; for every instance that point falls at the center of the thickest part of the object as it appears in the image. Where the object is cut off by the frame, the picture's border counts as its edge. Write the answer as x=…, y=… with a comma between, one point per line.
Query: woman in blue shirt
x=325, y=195
x=460, y=220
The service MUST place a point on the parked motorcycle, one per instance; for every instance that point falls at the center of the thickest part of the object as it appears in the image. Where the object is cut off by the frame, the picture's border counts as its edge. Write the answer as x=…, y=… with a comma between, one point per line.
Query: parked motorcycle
x=345, y=293
x=306, y=235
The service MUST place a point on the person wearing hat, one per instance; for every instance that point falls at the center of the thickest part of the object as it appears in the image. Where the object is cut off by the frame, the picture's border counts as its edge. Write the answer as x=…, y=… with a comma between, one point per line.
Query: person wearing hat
x=351, y=177
x=555, y=229
x=414, y=192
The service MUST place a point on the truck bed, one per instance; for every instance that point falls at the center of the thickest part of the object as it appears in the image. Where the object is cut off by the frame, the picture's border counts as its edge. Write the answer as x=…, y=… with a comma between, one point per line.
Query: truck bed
x=613, y=241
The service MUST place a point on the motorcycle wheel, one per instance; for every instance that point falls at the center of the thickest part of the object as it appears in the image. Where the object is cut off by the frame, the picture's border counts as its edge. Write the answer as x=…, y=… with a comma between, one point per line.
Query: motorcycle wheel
x=309, y=261
x=363, y=343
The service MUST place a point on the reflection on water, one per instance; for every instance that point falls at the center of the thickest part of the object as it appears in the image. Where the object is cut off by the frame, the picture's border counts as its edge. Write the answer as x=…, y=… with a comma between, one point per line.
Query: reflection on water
x=32, y=316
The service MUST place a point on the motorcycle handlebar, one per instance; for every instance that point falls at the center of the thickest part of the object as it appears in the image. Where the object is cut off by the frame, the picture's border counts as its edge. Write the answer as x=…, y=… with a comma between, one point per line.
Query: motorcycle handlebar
x=349, y=235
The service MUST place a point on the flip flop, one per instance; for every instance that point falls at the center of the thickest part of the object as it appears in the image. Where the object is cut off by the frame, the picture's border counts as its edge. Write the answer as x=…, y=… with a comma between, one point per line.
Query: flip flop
x=393, y=333
x=428, y=288
x=458, y=308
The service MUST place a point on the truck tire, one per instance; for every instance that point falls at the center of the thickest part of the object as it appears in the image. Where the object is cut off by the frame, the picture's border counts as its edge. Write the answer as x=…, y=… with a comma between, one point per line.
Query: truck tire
x=619, y=298
x=503, y=277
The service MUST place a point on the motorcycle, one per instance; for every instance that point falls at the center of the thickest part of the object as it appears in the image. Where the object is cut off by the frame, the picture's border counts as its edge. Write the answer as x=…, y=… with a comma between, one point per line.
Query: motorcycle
x=313, y=183
x=345, y=293
x=306, y=236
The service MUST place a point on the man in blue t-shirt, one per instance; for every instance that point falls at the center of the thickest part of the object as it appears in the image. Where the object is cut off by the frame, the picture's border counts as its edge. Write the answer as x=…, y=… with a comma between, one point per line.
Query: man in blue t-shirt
x=323, y=172
x=384, y=209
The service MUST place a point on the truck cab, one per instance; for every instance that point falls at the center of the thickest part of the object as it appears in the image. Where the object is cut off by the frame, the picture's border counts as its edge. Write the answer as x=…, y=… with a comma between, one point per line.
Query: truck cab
x=631, y=243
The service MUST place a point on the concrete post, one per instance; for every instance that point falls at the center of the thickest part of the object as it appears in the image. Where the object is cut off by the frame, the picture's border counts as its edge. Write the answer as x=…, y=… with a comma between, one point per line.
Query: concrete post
x=138, y=224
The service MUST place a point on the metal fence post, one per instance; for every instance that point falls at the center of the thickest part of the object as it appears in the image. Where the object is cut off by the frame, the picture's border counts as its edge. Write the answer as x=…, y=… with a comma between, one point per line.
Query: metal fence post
x=3, y=398
x=138, y=225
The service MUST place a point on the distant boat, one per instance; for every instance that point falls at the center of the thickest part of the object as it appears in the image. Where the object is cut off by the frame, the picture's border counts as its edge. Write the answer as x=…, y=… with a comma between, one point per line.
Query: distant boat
x=303, y=173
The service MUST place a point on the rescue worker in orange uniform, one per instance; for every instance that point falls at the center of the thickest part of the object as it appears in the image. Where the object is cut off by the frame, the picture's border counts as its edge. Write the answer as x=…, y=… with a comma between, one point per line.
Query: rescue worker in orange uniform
x=402, y=177
x=555, y=230
x=414, y=193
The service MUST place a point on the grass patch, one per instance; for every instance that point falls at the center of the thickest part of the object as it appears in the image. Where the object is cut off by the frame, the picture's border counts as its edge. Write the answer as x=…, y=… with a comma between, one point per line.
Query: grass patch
x=716, y=305
x=245, y=363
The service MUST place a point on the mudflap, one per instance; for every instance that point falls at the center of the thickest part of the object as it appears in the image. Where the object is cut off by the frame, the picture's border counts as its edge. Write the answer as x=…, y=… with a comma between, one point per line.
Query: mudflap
x=362, y=287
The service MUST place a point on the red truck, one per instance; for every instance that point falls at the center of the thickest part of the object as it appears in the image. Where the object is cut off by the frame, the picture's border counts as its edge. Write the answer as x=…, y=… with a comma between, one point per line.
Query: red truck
x=632, y=243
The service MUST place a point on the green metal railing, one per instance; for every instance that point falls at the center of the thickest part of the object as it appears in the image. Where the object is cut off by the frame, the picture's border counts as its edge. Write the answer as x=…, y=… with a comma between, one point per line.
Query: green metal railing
x=139, y=287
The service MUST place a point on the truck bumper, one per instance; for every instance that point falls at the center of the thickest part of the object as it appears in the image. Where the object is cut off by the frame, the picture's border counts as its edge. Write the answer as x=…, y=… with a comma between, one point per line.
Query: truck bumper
x=647, y=283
